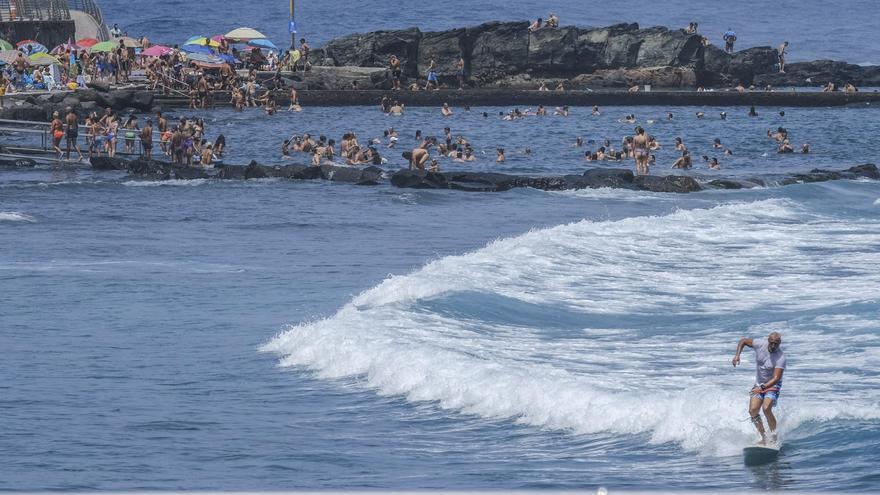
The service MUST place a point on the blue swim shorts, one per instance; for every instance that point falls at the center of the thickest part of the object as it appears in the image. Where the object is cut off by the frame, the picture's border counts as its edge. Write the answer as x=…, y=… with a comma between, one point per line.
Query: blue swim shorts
x=772, y=393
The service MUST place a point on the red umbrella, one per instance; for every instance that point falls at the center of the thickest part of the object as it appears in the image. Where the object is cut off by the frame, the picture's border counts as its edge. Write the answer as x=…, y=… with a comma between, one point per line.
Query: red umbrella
x=86, y=42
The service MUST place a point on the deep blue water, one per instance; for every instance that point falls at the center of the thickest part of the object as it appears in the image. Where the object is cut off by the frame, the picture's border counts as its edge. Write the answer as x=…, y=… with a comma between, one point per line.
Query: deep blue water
x=281, y=335
x=843, y=30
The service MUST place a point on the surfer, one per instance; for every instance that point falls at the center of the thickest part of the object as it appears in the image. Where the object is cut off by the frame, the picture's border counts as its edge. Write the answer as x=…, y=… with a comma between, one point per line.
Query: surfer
x=768, y=381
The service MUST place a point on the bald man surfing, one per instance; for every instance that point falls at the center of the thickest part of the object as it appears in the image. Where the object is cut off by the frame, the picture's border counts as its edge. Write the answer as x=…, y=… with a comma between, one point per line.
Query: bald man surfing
x=770, y=362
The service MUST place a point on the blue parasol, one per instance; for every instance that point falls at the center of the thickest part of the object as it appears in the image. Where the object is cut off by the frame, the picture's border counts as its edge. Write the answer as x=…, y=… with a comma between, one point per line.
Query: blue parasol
x=205, y=50
x=262, y=43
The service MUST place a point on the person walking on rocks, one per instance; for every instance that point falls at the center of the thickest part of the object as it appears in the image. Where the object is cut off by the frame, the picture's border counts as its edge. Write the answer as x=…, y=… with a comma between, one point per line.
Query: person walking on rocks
x=72, y=123
x=782, y=52
x=729, y=40
x=431, y=74
x=394, y=65
x=460, y=68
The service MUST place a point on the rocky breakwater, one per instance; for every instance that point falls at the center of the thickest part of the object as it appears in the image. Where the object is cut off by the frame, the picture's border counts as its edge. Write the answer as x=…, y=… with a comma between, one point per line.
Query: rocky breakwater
x=39, y=107
x=616, y=178
x=506, y=54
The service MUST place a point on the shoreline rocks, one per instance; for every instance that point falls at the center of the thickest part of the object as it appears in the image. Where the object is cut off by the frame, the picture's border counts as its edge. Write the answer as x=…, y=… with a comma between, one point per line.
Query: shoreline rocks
x=616, y=56
x=594, y=178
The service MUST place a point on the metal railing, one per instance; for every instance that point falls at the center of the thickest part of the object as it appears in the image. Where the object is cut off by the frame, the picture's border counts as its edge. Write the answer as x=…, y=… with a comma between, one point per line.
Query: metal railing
x=34, y=10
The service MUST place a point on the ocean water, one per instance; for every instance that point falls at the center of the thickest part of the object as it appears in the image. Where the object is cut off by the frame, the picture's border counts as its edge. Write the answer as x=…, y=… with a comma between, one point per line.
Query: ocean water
x=278, y=335
x=842, y=30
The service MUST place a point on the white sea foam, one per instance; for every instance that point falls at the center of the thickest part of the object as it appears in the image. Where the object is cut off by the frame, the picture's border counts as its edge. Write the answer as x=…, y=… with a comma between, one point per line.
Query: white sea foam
x=14, y=216
x=472, y=356
x=877, y=202
x=159, y=183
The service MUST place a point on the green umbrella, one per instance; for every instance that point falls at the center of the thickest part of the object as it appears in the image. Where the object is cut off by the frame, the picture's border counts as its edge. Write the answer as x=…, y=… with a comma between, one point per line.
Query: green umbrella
x=5, y=45
x=104, y=46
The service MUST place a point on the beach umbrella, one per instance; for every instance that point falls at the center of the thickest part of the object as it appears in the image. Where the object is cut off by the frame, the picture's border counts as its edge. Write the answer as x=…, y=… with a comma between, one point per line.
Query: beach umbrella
x=156, y=51
x=5, y=45
x=86, y=42
x=128, y=42
x=228, y=58
x=245, y=34
x=262, y=43
x=9, y=56
x=204, y=58
x=205, y=50
x=62, y=48
x=218, y=38
x=43, y=59
x=201, y=40
x=36, y=46
x=104, y=46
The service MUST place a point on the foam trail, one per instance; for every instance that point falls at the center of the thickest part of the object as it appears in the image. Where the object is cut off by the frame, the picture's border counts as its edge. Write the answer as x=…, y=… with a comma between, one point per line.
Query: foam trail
x=14, y=216
x=474, y=333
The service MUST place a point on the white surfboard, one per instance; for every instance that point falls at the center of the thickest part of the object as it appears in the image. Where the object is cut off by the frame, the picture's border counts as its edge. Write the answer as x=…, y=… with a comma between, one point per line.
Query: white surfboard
x=761, y=454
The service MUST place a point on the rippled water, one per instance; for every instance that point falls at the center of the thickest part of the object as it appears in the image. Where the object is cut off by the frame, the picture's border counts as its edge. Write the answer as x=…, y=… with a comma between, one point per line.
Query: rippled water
x=278, y=335
x=843, y=30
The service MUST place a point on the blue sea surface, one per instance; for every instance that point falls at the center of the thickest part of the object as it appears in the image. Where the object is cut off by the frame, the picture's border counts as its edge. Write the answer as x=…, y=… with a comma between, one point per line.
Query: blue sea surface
x=279, y=335
x=843, y=30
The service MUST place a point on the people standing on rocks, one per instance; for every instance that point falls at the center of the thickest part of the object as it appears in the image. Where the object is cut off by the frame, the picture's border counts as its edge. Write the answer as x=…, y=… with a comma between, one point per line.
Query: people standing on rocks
x=552, y=21
x=729, y=39
x=304, y=50
x=396, y=73
x=459, y=67
x=640, y=151
x=72, y=123
x=146, y=136
x=57, y=132
x=419, y=156
x=431, y=74
x=782, y=52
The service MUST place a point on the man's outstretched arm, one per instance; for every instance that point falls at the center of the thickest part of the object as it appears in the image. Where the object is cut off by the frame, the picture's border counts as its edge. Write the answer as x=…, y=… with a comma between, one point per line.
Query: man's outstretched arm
x=739, y=347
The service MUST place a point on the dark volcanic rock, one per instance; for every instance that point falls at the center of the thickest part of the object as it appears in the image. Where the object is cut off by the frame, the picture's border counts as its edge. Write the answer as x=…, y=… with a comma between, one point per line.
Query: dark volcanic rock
x=231, y=172
x=669, y=183
x=661, y=47
x=444, y=48
x=819, y=72
x=417, y=179
x=350, y=174
x=553, y=50
x=190, y=173
x=868, y=171
x=17, y=163
x=498, y=48
x=107, y=163
x=375, y=49
x=744, y=65
x=609, y=177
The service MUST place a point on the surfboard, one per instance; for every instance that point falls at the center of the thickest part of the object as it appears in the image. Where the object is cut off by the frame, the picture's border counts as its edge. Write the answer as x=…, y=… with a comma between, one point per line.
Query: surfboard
x=760, y=454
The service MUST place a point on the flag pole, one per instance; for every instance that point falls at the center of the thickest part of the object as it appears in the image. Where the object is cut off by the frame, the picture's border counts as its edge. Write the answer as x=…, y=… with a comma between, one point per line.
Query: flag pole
x=292, y=30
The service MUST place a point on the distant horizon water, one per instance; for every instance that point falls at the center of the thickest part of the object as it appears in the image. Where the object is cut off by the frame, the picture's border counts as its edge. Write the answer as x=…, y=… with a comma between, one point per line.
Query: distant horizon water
x=805, y=24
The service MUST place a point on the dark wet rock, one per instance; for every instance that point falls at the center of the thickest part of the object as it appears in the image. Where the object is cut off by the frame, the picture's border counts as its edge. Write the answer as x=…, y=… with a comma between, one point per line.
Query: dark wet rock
x=108, y=163
x=444, y=48
x=820, y=72
x=498, y=48
x=256, y=171
x=349, y=174
x=745, y=64
x=866, y=171
x=17, y=163
x=231, y=172
x=552, y=50
x=669, y=183
x=190, y=173
x=375, y=49
x=419, y=179
x=660, y=77
x=609, y=177
x=660, y=46
x=24, y=111
x=342, y=78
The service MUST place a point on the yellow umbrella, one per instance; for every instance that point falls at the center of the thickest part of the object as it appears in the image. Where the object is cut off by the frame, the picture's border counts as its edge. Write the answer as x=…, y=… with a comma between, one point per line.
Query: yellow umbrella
x=201, y=40
x=43, y=59
x=245, y=34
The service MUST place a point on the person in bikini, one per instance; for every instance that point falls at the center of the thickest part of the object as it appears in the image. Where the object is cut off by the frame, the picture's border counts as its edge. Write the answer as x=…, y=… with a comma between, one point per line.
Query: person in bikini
x=764, y=395
x=640, y=151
